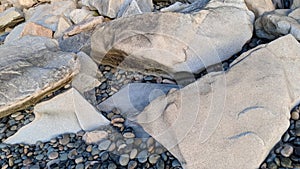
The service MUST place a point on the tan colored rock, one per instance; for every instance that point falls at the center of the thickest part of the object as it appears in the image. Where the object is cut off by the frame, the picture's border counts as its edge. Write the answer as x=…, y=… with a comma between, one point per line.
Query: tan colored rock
x=169, y=43
x=62, y=26
x=86, y=25
x=94, y=137
x=232, y=119
x=34, y=29
x=31, y=68
x=260, y=6
x=10, y=18
x=68, y=112
x=27, y=3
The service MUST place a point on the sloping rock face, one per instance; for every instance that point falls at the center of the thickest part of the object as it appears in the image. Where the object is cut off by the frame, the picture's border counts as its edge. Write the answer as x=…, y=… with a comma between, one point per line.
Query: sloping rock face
x=168, y=43
x=68, y=112
x=232, y=119
x=30, y=68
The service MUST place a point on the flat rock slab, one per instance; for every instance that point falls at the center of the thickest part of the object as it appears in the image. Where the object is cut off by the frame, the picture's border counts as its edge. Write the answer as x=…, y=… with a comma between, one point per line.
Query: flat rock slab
x=168, y=43
x=66, y=113
x=134, y=97
x=232, y=119
x=30, y=68
x=10, y=17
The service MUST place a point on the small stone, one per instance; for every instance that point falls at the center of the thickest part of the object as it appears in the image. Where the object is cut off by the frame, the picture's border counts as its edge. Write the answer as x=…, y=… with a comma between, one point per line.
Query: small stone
x=53, y=155
x=89, y=148
x=160, y=164
x=153, y=158
x=104, y=156
x=112, y=166
x=63, y=157
x=133, y=153
x=14, y=128
x=142, y=156
x=287, y=150
x=286, y=162
x=79, y=166
x=65, y=140
x=72, y=154
x=295, y=115
x=132, y=165
x=272, y=166
x=11, y=162
x=79, y=160
x=39, y=157
x=286, y=137
x=128, y=135
x=175, y=163
x=103, y=145
x=95, y=151
x=124, y=159
x=20, y=117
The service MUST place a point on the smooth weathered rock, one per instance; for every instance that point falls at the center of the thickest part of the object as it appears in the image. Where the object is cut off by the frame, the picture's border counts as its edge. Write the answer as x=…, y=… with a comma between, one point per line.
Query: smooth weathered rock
x=79, y=15
x=109, y=8
x=27, y=3
x=260, y=6
x=85, y=25
x=134, y=97
x=30, y=71
x=48, y=15
x=94, y=137
x=86, y=79
x=296, y=4
x=134, y=7
x=277, y=23
x=169, y=43
x=10, y=18
x=68, y=112
x=236, y=117
x=76, y=43
x=63, y=24
x=34, y=29
x=15, y=34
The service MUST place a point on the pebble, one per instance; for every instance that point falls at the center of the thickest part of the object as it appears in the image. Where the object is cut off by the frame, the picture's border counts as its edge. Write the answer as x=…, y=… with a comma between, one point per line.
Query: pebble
x=175, y=163
x=79, y=166
x=153, y=158
x=287, y=150
x=112, y=166
x=132, y=165
x=103, y=145
x=65, y=140
x=124, y=159
x=286, y=162
x=142, y=156
x=53, y=155
x=160, y=164
x=39, y=157
x=79, y=160
x=72, y=154
x=295, y=115
x=133, y=153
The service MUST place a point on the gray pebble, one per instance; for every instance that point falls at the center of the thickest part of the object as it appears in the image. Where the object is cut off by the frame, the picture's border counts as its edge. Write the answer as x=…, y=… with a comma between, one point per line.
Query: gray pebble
x=160, y=164
x=63, y=157
x=124, y=159
x=132, y=165
x=153, y=158
x=175, y=163
x=79, y=160
x=103, y=145
x=39, y=157
x=65, y=140
x=72, y=154
x=53, y=155
x=287, y=150
x=112, y=166
x=79, y=166
x=142, y=156
x=133, y=153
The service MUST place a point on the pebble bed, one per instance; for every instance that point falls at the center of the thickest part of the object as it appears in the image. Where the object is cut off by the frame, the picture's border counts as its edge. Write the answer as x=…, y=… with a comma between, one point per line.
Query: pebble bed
x=286, y=153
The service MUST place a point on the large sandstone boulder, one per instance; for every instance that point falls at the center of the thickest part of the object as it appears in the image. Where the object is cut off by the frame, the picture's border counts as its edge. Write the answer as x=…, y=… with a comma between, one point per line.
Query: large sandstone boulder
x=168, y=43
x=278, y=23
x=230, y=119
x=31, y=68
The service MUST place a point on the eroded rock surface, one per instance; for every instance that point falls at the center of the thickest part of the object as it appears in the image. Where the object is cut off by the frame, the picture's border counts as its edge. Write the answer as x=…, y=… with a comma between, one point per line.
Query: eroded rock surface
x=230, y=119
x=30, y=68
x=168, y=43
x=68, y=112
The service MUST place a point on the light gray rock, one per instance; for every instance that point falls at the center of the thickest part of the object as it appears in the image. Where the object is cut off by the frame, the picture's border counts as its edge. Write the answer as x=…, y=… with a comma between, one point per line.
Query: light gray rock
x=258, y=7
x=31, y=68
x=134, y=97
x=277, y=23
x=48, y=15
x=232, y=119
x=79, y=15
x=10, y=18
x=134, y=7
x=296, y=4
x=68, y=112
x=109, y=8
x=170, y=43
